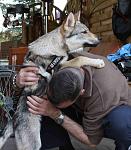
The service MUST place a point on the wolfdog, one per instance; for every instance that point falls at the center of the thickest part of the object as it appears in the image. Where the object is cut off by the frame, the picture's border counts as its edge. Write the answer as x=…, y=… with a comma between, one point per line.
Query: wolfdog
x=70, y=37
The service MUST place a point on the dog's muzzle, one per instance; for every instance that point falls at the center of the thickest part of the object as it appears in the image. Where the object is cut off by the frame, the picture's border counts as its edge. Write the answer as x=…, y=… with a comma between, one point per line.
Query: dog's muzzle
x=90, y=45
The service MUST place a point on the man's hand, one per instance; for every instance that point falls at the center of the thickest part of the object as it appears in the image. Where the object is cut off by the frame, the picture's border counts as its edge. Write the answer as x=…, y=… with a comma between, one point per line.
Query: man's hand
x=27, y=76
x=41, y=106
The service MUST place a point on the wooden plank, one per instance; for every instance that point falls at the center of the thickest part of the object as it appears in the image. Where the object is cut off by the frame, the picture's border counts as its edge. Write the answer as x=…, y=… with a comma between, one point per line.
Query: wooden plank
x=108, y=9
x=101, y=16
x=97, y=24
x=103, y=28
x=96, y=14
x=105, y=4
x=107, y=21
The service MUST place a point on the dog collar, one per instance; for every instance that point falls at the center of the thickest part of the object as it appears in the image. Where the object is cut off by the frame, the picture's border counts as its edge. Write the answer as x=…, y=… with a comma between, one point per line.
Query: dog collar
x=50, y=68
x=54, y=63
x=47, y=73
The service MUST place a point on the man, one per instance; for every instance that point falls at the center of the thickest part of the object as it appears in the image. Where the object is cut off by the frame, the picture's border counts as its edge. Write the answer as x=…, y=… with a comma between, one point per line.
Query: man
x=102, y=97
x=49, y=136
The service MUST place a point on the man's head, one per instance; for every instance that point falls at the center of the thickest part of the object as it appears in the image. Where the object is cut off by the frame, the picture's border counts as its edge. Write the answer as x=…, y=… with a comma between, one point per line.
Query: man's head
x=66, y=86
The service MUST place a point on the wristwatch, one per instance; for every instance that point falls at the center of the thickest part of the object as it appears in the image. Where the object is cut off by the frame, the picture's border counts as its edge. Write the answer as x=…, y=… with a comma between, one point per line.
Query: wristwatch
x=60, y=119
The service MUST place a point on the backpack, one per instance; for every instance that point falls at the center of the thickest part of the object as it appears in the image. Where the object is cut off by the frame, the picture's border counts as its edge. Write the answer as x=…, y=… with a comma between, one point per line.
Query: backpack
x=121, y=19
x=124, y=65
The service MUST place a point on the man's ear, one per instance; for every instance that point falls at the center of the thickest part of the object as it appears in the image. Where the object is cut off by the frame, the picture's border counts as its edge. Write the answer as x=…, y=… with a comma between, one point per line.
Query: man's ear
x=70, y=22
x=77, y=16
x=82, y=91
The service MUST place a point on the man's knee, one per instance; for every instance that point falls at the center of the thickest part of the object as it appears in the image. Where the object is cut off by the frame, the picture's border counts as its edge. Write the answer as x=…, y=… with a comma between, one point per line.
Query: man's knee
x=118, y=123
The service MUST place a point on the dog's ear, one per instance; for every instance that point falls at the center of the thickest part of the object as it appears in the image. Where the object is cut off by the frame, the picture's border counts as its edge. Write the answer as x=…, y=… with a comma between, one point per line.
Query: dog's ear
x=77, y=16
x=70, y=22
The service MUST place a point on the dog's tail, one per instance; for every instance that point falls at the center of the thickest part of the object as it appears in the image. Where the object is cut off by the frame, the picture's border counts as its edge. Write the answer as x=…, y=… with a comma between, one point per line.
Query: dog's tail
x=8, y=131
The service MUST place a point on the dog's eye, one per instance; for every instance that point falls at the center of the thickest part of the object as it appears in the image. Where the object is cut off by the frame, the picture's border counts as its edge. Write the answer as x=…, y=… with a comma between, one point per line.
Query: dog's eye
x=84, y=32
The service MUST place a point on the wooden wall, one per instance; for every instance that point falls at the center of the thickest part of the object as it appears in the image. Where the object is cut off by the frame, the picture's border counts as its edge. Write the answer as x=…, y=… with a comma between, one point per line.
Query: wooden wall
x=99, y=15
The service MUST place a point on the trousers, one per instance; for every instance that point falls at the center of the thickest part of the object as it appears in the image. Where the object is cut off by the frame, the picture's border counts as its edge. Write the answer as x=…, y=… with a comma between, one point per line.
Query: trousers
x=117, y=126
x=54, y=135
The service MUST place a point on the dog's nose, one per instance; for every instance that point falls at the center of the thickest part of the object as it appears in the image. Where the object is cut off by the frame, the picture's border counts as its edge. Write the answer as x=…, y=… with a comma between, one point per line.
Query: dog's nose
x=99, y=38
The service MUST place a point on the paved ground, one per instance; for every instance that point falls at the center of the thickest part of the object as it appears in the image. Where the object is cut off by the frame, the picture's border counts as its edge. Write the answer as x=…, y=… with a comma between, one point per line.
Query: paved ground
x=106, y=144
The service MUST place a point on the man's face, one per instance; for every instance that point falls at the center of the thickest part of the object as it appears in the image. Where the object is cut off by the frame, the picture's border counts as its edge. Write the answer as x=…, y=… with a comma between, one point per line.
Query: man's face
x=67, y=103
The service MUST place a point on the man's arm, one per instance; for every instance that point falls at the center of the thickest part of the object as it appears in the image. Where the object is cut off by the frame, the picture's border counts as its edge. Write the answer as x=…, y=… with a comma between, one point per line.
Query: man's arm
x=39, y=106
x=76, y=131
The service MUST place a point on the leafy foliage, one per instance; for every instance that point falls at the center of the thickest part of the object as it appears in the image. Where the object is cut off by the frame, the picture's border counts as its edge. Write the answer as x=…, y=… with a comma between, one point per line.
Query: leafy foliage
x=13, y=33
x=3, y=7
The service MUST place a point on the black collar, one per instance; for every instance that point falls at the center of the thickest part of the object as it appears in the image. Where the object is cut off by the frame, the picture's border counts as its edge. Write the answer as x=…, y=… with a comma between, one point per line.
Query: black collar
x=54, y=63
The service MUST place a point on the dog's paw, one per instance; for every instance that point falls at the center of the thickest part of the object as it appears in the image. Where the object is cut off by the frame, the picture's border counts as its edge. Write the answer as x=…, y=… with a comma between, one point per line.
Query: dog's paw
x=100, y=63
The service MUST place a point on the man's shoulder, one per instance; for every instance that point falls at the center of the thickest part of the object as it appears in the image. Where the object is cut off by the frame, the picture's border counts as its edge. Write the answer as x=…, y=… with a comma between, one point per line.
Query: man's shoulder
x=87, y=54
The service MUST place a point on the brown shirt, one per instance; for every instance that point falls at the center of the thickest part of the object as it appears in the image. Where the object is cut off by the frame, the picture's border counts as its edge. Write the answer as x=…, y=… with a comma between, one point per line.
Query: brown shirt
x=105, y=89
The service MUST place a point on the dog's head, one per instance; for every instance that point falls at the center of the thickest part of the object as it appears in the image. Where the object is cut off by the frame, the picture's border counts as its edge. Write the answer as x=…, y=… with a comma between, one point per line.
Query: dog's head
x=76, y=34
x=69, y=37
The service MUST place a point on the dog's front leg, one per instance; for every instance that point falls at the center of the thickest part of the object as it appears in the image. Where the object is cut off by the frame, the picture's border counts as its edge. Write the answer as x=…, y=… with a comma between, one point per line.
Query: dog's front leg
x=27, y=128
x=8, y=131
x=81, y=60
